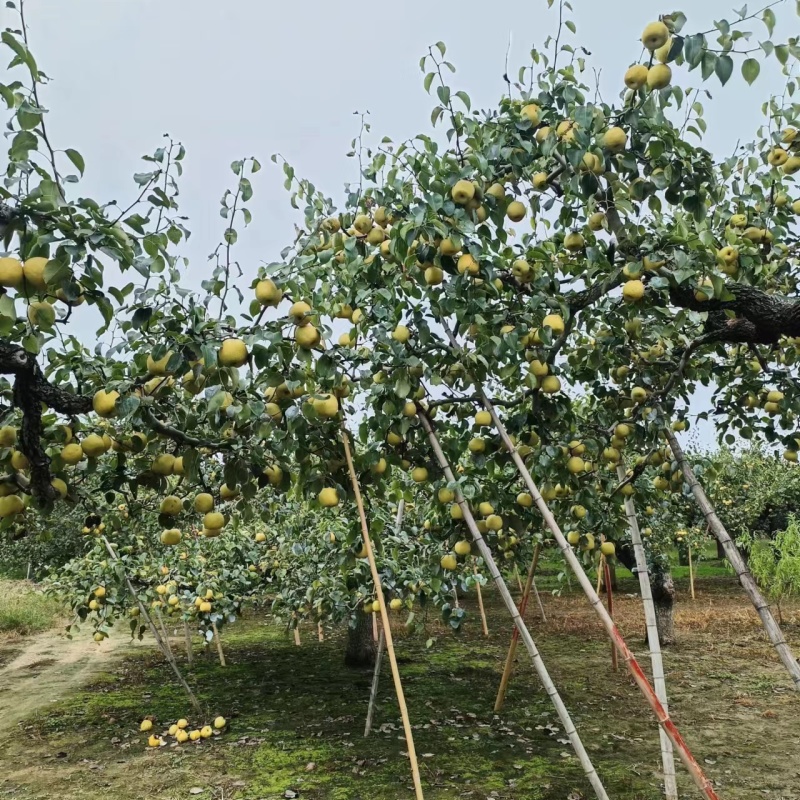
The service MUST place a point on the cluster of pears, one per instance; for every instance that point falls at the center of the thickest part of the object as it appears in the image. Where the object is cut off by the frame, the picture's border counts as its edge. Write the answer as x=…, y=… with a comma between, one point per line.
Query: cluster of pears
x=657, y=39
x=587, y=542
x=180, y=732
x=29, y=280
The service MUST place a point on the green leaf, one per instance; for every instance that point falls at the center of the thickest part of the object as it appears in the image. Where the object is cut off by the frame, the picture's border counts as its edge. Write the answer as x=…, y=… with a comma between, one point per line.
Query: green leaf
x=22, y=52
x=782, y=53
x=28, y=116
x=255, y=165
x=750, y=69
x=127, y=405
x=570, y=24
x=21, y=145
x=231, y=236
x=56, y=272
x=76, y=158
x=708, y=64
x=693, y=49
x=464, y=98
x=442, y=48
x=428, y=81
x=31, y=344
x=7, y=308
x=724, y=68
x=769, y=20
x=402, y=387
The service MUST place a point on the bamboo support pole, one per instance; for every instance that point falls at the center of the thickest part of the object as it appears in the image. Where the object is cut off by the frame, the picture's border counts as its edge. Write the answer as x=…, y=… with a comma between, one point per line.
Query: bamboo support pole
x=164, y=633
x=600, y=573
x=374, y=627
x=653, y=640
x=527, y=639
x=296, y=630
x=143, y=611
x=484, y=623
x=512, y=647
x=376, y=579
x=610, y=602
x=373, y=692
x=220, y=652
x=187, y=635
x=691, y=571
x=695, y=770
x=737, y=562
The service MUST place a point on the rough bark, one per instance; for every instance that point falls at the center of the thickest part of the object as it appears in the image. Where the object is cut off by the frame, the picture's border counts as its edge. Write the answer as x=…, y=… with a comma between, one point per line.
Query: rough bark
x=664, y=599
x=361, y=650
x=31, y=391
x=761, y=318
x=663, y=589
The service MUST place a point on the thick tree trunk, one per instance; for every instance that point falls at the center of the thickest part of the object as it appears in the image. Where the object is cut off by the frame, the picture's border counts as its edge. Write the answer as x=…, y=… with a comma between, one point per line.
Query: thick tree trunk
x=361, y=650
x=663, y=590
x=720, y=550
x=663, y=599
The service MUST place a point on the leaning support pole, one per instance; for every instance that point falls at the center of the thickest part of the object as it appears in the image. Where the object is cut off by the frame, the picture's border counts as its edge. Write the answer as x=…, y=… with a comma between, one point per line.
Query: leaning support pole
x=484, y=623
x=695, y=770
x=527, y=639
x=373, y=692
x=220, y=652
x=376, y=579
x=653, y=641
x=610, y=602
x=512, y=648
x=737, y=562
x=153, y=629
x=188, y=637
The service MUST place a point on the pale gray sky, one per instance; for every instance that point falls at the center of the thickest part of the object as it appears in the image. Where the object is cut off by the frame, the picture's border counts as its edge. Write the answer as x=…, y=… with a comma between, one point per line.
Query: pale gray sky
x=232, y=79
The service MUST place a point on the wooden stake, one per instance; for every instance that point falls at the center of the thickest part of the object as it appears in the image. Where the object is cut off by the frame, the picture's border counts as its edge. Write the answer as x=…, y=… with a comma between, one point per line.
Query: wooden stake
x=695, y=770
x=519, y=580
x=737, y=562
x=219, y=644
x=538, y=601
x=296, y=630
x=653, y=640
x=610, y=602
x=691, y=571
x=376, y=579
x=153, y=629
x=320, y=633
x=512, y=648
x=480, y=600
x=373, y=692
x=188, y=637
x=374, y=627
x=527, y=639
x=600, y=573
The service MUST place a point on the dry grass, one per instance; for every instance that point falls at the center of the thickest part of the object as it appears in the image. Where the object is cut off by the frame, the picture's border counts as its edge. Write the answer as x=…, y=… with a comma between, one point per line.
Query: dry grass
x=25, y=610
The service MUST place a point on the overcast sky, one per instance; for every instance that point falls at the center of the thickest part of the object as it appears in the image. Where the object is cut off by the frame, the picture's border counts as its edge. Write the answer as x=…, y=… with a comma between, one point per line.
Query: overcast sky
x=239, y=78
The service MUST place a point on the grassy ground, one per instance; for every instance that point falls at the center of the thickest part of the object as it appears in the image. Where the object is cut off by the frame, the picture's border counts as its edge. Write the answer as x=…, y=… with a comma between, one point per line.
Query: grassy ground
x=24, y=610
x=297, y=715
